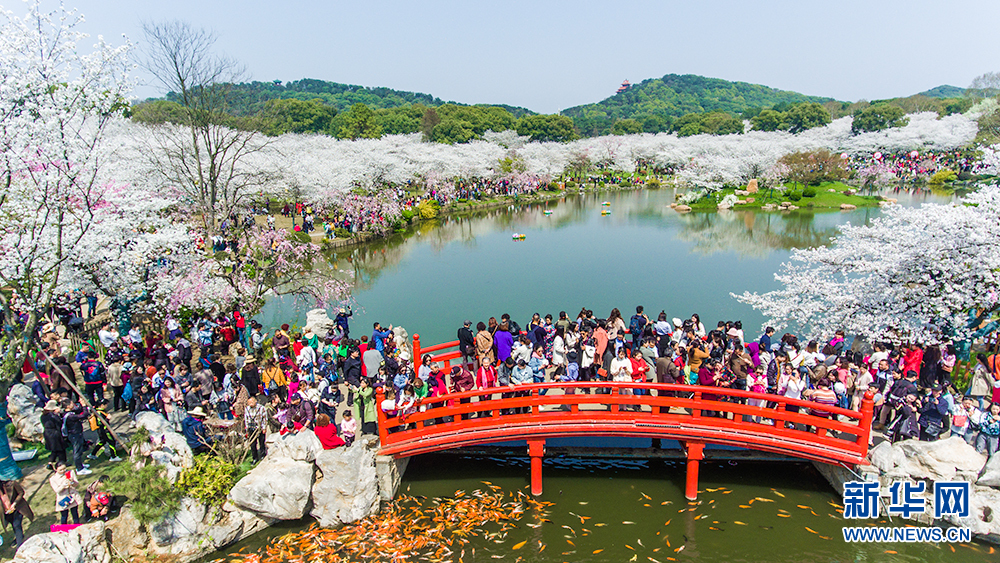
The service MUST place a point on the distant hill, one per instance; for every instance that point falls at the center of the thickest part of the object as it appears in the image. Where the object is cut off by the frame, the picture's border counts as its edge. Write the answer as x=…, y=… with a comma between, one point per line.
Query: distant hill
x=944, y=91
x=252, y=96
x=675, y=95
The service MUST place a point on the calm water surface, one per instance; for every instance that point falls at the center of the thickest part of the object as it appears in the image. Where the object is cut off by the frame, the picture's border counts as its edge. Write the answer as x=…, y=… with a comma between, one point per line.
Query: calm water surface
x=643, y=253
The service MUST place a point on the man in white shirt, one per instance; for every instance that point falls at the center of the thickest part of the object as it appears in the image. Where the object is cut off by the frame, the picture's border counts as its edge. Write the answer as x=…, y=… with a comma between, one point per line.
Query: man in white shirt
x=107, y=335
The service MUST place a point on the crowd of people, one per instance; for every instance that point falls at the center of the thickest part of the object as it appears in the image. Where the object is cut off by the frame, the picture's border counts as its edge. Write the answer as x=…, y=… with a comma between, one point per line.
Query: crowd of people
x=223, y=373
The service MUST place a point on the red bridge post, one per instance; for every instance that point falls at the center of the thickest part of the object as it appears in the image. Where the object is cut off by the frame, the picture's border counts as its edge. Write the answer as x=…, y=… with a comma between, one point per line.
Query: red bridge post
x=416, y=353
x=536, y=449
x=695, y=453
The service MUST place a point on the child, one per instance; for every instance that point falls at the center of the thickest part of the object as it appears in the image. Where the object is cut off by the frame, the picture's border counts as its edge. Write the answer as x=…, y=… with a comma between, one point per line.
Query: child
x=348, y=427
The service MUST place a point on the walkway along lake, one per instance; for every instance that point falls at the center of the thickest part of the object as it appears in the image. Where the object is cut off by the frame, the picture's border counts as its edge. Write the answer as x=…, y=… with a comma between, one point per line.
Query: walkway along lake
x=642, y=253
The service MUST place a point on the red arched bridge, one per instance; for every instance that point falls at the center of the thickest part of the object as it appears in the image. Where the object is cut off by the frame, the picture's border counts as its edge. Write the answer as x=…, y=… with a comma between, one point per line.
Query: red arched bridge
x=692, y=414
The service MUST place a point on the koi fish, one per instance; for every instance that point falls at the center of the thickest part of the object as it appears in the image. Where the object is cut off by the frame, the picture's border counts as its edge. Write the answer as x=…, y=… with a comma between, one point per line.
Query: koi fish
x=811, y=531
x=804, y=507
x=519, y=545
x=737, y=522
x=596, y=551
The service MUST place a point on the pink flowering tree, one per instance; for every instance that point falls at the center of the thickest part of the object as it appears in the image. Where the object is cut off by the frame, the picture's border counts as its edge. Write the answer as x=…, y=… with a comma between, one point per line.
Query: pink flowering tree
x=264, y=262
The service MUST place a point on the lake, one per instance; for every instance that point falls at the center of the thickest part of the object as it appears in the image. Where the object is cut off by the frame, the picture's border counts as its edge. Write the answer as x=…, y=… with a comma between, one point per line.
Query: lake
x=642, y=252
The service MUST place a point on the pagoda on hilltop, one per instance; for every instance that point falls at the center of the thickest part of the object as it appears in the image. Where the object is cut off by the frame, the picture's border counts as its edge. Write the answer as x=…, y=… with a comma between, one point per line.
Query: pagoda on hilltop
x=625, y=86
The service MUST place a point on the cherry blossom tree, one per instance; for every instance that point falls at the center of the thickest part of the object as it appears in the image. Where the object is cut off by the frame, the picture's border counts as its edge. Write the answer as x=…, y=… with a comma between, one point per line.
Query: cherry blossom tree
x=56, y=102
x=913, y=274
x=256, y=263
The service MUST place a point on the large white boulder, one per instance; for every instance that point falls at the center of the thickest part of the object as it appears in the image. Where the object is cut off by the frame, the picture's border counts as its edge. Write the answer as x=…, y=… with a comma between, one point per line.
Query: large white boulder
x=300, y=446
x=169, y=449
x=319, y=322
x=85, y=544
x=278, y=488
x=153, y=422
x=984, y=514
x=941, y=460
x=349, y=489
x=990, y=475
x=24, y=414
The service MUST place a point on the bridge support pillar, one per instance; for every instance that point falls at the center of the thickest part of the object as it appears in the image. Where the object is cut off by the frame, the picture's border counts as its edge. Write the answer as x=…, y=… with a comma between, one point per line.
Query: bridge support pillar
x=536, y=450
x=695, y=453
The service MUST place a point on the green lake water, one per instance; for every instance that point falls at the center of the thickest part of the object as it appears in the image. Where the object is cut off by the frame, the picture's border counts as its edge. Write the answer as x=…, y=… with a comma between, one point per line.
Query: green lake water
x=430, y=280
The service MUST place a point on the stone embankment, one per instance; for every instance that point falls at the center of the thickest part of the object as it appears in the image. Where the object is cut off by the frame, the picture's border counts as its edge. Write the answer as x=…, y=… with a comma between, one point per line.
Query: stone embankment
x=951, y=459
x=297, y=477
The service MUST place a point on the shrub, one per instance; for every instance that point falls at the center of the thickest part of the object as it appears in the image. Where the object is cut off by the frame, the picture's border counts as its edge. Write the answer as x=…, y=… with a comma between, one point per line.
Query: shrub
x=653, y=183
x=810, y=191
x=794, y=195
x=341, y=232
x=209, y=480
x=553, y=186
x=408, y=215
x=570, y=185
x=300, y=236
x=428, y=209
x=150, y=494
x=943, y=176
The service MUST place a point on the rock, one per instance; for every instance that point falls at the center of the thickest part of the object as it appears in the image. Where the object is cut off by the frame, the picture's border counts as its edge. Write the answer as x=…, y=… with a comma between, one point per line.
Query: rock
x=751, y=199
x=673, y=205
x=791, y=207
x=752, y=186
x=741, y=202
x=84, y=544
x=881, y=457
x=741, y=192
x=180, y=524
x=847, y=206
x=278, y=488
x=768, y=207
x=390, y=475
x=349, y=489
x=300, y=446
x=168, y=449
x=831, y=190
x=24, y=414
x=153, y=422
x=128, y=537
x=892, y=200
x=402, y=339
x=318, y=321
x=682, y=208
x=990, y=476
x=941, y=460
x=983, y=519
x=785, y=203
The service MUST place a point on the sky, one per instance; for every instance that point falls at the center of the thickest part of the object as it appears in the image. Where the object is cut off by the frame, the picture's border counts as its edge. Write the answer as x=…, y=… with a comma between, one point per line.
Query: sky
x=548, y=56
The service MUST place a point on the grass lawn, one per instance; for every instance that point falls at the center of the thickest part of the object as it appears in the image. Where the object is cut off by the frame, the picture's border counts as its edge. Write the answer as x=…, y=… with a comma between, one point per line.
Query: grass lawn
x=824, y=199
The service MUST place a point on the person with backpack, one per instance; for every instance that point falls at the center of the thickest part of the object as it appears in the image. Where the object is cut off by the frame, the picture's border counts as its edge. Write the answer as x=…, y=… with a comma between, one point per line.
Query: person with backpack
x=72, y=429
x=636, y=325
x=94, y=378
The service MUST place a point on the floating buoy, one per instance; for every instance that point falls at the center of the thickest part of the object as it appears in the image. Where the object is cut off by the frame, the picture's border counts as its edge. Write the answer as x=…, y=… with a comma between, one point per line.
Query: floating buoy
x=605, y=203
x=518, y=236
x=605, y=212
x=547, y=212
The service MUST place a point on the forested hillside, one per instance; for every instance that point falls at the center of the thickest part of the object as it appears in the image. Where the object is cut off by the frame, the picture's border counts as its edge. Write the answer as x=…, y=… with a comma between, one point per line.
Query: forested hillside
x=656, y=102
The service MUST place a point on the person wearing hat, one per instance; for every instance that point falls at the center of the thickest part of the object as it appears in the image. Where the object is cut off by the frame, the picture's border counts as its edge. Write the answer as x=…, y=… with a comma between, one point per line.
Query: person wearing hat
x=343, y=325
x=932, y=413
x=195, y=431
x=52, y=425
x=467, y=343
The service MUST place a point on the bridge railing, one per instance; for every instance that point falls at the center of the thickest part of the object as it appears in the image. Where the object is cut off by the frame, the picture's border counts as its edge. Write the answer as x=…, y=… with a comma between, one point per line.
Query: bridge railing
x=711, y=414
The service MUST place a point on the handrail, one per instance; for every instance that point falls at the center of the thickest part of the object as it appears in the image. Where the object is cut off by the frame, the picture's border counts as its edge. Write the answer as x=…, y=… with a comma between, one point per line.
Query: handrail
x=447, y=420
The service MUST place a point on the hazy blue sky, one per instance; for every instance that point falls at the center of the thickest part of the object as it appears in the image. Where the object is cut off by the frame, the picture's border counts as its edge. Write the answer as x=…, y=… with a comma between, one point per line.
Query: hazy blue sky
x=548, y=56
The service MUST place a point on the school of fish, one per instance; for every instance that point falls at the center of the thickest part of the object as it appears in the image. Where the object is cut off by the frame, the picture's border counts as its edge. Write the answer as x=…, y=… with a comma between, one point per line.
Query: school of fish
x=410, y=528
